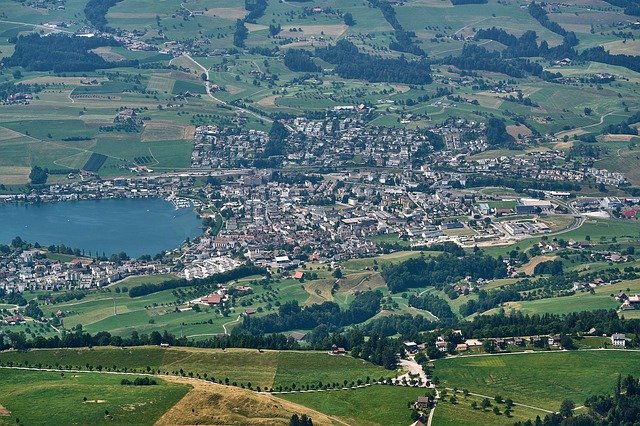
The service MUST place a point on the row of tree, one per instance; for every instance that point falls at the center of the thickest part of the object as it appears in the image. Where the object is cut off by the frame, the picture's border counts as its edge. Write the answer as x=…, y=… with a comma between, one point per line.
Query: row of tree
x=222, y=277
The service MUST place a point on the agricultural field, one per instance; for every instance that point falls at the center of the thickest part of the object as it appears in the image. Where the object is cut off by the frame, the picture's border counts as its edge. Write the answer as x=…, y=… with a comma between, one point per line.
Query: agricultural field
x=113, y=310
x=267, y=368
x=461, y=412
x=83, y=398
x=541, y=379
x=602, y=298
x=355, y=406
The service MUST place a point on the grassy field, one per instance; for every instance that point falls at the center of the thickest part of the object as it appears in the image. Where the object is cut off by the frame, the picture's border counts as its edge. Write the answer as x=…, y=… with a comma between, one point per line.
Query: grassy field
x=461, y=413
x=35, y=397
x=264, y=369
x=540, y=379
x=601, y=299
x=374, y=405
x=209, y=403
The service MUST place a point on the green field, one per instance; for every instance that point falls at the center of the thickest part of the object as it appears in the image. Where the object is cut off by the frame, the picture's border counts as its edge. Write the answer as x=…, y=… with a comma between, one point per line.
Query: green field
x=461, y=413
x=583, y=301
x=373, y=405
x=260, y=368
x=541, y=379
x=36, y=397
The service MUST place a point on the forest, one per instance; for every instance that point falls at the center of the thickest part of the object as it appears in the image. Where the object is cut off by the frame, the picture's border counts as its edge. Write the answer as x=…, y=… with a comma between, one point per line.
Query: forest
x=300, y=60
x=291, y=316
x=61, y=53
x=240, y=272
x=349, y=63
x=96, y=12
x=436, y=272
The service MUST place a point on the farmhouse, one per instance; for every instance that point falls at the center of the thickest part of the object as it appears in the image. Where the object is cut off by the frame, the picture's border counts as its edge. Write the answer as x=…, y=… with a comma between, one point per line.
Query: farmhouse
x=422, y=402
x=335, y=350
x=212, y=299
x=14, y=319
x=619, y=340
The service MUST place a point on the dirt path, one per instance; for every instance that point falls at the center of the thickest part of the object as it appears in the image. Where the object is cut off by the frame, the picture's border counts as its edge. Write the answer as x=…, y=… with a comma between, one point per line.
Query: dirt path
x=224, y=326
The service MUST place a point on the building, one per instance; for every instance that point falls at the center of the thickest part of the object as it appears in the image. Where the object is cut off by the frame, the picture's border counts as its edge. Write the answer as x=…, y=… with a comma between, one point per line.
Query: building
x=212, y=299
x=619, y=340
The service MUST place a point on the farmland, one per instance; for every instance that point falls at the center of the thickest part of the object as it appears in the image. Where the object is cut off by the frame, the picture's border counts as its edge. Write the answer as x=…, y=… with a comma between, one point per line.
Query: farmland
x=538, y=379
x=266, y=369
x=83, y=398
x=355, y=406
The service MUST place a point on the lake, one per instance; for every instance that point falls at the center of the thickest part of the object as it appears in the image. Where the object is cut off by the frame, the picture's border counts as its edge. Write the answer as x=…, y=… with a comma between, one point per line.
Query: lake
x=135, y=226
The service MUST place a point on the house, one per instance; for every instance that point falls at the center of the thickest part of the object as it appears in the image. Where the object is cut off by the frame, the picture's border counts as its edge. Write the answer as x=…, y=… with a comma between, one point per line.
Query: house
x=411, y=347
x=462, y=347
x=441, y=344
x=249, y=311
x=298, y=275
x=422, y=402
x=297, y=336
x=14, y=319
x=553, y=340
x=212, y=299
x=619, y=340
x=338, y=351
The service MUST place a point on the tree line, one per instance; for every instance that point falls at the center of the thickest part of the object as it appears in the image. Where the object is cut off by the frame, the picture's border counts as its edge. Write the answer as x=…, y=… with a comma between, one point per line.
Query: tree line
x=404, y=39
x=96, y=12
x=237, y=273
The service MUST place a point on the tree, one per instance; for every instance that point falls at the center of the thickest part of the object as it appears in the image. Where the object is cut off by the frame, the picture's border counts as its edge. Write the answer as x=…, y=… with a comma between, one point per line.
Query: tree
x=277, y=136
x=485, y=403
x=497, y=133
x=38, y=176
x=348, y=19
x=474, y=405
x=566, y=408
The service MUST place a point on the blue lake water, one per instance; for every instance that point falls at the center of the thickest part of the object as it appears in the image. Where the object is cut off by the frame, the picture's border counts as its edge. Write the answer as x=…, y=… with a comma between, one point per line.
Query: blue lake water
x=135, y=226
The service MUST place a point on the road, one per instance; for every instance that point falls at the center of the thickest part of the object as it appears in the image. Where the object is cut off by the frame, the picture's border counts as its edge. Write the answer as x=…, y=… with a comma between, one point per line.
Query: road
x=224, y=326
x=207, y=85
x=36, y=26
x=413, y=369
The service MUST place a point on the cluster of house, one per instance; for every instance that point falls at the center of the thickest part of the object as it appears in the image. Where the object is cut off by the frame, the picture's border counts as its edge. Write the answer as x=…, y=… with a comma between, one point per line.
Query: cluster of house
x=628, y=302
x=31, y=270
x=19, y=98
x=222, y=297
x=334, y=142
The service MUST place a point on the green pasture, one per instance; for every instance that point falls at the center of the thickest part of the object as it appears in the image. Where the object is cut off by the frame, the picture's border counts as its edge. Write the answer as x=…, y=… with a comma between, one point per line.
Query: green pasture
x=541, y=379
x=36, y=397
x=373, y=405
x=260, y=368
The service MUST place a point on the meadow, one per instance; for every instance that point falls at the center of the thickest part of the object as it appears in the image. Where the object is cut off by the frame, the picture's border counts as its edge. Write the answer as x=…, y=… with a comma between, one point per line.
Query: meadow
x=541, y=379
x=357, y=406
x=35, y=397
x=267, y=368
